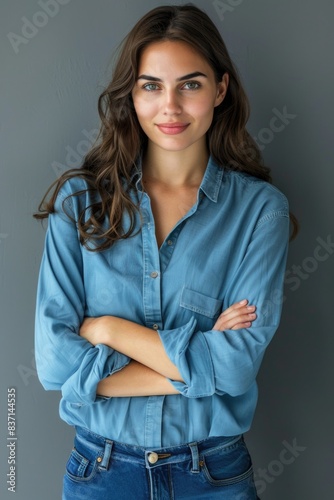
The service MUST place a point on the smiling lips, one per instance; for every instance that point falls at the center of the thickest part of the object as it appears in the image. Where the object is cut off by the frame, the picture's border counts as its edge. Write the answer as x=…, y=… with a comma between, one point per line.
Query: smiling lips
x=172, y=128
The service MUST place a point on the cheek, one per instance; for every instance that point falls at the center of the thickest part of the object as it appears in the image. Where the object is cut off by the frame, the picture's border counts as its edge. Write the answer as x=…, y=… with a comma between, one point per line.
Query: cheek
x=203, y=108
x=145, y=109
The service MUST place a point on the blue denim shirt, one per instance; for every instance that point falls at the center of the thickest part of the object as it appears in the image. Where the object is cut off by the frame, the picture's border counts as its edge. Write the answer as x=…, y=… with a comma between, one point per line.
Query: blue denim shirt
x=232, y=244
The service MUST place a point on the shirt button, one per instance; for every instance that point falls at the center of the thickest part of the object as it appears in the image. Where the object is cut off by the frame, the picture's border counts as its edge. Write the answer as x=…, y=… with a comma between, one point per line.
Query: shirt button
x=153, y=458
x=155, y=327
x=154, y=274
x=170, y=242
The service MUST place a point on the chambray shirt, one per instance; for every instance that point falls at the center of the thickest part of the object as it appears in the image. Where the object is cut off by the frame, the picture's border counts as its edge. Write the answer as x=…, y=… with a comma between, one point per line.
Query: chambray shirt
x=231, y=245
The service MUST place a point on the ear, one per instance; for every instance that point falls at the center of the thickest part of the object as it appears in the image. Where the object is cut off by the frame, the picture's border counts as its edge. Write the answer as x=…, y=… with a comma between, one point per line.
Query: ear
x=222, y=89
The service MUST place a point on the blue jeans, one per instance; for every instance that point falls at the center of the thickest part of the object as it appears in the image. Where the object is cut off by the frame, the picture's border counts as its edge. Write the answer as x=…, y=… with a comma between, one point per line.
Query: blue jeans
x=218, y=467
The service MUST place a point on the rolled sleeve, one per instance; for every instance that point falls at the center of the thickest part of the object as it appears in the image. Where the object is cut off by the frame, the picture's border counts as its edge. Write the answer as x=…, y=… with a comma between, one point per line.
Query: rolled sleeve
x=189, y=351
x=97, y=364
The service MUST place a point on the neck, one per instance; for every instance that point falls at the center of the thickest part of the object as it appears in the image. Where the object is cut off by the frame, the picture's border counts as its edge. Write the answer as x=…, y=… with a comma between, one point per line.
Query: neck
x=175, y=168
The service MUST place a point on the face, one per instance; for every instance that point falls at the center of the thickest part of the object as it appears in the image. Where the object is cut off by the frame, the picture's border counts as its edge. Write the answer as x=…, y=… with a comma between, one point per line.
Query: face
x=175, y=95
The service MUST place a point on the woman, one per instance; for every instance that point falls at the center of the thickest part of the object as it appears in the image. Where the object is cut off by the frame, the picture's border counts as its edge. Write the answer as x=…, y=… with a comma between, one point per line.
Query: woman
x=170, y=221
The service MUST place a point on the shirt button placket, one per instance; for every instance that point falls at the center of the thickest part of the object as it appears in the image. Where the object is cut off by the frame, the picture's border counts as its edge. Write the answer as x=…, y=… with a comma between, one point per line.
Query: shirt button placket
x=154, y=275
x=152, y=315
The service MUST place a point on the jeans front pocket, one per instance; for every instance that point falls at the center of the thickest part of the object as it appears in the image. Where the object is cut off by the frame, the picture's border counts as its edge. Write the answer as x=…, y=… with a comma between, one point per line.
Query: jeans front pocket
x=227, y=465
x=81, y=469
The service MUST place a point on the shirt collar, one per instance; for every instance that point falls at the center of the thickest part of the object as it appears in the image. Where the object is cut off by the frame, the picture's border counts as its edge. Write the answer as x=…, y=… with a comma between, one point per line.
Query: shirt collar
x=212, y=179
x=210, y=184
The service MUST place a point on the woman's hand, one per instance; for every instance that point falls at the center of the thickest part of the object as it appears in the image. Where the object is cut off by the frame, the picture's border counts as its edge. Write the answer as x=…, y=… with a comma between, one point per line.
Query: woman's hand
x=97, y=330
x=239, y=315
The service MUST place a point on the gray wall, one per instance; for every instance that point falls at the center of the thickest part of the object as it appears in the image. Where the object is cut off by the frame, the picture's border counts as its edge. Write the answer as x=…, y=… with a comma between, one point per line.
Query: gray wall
x=50, y=80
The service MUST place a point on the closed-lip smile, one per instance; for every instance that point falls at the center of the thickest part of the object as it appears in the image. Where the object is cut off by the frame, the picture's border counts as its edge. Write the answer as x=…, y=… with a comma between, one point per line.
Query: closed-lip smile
x=172, y=128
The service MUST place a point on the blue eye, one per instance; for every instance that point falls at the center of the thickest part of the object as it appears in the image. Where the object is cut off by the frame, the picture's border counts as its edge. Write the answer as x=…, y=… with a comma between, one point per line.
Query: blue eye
x=192, y=85
x=149, y=87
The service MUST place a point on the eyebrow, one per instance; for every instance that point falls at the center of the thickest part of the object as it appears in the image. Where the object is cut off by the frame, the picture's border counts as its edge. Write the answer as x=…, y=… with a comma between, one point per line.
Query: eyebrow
x=196, y=74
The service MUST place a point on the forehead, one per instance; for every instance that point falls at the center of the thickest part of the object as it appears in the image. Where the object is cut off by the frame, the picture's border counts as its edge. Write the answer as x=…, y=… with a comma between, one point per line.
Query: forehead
x=166, y=57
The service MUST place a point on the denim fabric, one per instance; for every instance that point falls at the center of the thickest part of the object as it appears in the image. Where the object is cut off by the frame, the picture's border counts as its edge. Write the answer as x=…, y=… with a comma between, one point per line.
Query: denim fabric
x=231, y=245
x=217, y=467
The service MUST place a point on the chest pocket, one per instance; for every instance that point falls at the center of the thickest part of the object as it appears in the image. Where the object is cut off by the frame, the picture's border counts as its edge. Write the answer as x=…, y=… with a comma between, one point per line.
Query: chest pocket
x=200, y=303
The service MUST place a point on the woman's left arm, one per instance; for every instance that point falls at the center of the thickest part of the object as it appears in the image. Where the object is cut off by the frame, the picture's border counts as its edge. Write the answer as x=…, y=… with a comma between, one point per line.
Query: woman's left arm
x=227, y=362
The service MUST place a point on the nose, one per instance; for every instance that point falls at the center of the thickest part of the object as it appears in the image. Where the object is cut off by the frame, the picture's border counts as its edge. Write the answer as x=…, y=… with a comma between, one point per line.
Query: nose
x=172, y=104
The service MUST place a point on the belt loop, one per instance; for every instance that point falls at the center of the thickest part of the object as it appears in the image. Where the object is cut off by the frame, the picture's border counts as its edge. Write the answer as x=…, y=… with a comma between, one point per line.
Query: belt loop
x=106, y=454
x=195, y=457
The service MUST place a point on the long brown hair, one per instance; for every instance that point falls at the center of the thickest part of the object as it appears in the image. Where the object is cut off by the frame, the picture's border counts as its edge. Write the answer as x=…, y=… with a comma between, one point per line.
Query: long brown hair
x=109, y=165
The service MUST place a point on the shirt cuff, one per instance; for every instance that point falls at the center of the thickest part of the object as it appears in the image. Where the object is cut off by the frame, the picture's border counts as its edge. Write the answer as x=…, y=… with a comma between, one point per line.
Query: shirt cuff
x=99, y=362
x=189, y=351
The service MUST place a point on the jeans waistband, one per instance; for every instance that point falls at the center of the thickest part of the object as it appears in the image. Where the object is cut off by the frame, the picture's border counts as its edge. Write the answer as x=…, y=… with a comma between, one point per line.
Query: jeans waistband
x=104, y=448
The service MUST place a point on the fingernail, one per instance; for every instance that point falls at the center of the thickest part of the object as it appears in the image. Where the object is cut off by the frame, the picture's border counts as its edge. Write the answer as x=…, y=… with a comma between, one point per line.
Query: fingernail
x=243, y=302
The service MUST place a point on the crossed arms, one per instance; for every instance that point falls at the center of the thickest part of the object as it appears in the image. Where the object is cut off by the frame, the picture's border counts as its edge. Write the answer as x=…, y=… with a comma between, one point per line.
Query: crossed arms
x=149, y=371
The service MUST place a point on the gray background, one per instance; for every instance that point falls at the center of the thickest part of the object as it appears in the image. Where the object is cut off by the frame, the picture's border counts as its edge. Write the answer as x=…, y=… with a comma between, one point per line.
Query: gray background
x=49, y=90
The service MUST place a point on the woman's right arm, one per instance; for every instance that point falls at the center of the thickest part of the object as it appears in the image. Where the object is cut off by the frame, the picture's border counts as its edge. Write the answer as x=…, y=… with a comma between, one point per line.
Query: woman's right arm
x=64, y=360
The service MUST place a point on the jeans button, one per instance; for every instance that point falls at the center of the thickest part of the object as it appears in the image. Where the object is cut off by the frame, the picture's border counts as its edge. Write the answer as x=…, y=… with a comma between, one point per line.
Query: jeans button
x=153, y=458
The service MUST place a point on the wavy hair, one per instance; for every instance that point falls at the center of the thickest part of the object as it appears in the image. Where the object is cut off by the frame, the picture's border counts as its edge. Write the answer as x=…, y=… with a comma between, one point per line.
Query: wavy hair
x=109, y=165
